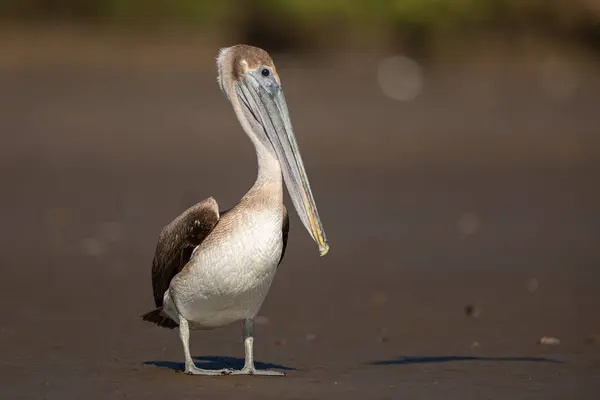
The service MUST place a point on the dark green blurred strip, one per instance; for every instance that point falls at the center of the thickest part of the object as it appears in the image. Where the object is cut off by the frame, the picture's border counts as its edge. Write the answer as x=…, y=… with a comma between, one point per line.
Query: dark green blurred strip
x=578, y=19
x=429, y=12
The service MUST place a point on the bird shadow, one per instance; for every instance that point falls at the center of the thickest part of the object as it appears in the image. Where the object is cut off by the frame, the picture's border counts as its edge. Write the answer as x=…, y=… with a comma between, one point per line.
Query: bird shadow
x=216, y=362
x=406, y=360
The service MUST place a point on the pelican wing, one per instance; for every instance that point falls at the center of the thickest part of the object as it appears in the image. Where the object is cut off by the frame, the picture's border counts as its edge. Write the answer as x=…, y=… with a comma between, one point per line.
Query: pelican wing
x=285, y=230
x=176, y=242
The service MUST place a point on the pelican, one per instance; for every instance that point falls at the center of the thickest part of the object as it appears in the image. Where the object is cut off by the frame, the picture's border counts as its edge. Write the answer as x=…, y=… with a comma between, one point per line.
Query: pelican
x=212, y=268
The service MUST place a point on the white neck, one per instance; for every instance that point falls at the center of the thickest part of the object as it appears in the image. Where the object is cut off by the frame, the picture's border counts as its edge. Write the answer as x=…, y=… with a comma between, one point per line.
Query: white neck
x=269, y=170
x=267, y=192
x=269, y=181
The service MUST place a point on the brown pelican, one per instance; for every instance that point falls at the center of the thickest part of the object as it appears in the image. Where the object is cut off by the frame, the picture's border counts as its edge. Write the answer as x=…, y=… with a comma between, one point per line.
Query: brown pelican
x=213, y=268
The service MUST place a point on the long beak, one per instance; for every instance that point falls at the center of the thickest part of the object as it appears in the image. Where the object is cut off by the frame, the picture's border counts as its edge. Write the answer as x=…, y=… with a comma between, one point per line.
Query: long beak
x=270, y=110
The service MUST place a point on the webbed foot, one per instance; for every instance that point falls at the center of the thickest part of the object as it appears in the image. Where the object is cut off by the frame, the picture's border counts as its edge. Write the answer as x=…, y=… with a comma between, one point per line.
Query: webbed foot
x=193, y=370
x=254, y=371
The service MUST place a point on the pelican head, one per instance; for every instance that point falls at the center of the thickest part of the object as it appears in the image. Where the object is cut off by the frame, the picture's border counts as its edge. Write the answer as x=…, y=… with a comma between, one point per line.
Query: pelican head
x=249, y=80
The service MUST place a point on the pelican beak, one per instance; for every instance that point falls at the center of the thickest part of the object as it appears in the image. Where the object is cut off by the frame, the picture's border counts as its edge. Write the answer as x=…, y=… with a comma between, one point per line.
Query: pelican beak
x=268, y=107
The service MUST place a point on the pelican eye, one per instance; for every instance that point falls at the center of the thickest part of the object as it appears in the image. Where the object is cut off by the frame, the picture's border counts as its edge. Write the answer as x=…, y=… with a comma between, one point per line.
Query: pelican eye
x=265, y=72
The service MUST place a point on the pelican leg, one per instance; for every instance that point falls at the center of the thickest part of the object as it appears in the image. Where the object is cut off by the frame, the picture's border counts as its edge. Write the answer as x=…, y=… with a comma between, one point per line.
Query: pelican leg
x=249, y=368
x=190, y=367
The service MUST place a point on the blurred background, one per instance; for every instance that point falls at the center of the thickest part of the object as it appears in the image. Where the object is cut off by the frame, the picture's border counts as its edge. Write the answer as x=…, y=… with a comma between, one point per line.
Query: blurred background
x=452, y=147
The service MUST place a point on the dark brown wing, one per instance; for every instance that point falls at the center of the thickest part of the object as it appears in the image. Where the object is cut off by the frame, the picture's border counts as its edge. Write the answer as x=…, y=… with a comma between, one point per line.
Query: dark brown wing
x=285, y=230
x=177, y=241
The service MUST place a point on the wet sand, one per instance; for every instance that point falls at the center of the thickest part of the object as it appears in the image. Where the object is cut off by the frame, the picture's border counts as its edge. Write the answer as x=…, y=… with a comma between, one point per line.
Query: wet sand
x=470, y=195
